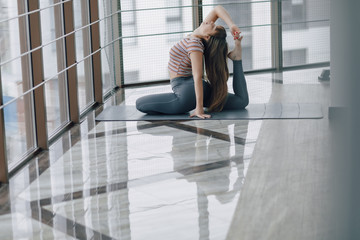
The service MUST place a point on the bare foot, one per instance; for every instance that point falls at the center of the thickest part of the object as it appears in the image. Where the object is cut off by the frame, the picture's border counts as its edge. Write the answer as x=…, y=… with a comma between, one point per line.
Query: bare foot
x=236, y=53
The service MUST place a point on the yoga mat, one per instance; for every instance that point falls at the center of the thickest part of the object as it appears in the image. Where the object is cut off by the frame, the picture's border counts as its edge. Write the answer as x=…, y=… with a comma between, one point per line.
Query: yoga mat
x=252, y=111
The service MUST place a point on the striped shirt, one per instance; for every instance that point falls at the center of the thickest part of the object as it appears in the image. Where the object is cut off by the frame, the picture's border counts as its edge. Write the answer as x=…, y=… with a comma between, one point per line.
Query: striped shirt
x=179, y=61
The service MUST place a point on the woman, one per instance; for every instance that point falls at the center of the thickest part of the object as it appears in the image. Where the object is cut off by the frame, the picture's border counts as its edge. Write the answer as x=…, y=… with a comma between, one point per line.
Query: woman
x=190, y=91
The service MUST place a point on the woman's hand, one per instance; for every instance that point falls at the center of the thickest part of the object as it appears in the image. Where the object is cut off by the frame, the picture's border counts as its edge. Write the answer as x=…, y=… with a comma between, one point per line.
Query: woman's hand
x=199, y=112
x=235, y=31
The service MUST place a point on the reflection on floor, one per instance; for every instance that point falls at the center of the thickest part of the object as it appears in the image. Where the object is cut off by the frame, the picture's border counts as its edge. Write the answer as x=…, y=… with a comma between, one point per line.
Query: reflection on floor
x=178, y=180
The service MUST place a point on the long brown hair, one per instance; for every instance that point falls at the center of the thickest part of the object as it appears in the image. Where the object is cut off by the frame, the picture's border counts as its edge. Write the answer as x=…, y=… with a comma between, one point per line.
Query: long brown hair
x=216, y=50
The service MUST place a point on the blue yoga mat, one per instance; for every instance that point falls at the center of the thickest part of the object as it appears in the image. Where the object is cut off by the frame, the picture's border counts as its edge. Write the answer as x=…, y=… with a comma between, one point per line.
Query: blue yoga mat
x=252, y=111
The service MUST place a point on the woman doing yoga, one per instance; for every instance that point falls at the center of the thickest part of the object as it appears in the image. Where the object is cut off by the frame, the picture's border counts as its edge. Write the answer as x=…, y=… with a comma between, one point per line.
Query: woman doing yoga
x=190, y=91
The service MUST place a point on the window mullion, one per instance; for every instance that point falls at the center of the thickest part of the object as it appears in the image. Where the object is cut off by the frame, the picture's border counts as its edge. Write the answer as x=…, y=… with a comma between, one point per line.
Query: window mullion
x=121, y=81
x=95, y=46
x=68, y=16
x=4, y=174
x=117, y=46
x=26, y=74
x=276, y=35
x=38, y=76
x=197, y=13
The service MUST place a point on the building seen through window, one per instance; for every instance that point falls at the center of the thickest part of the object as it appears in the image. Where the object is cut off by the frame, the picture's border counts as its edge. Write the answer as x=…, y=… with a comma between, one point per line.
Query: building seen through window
x=174, y=21
x=128, y=22
x=306, y=31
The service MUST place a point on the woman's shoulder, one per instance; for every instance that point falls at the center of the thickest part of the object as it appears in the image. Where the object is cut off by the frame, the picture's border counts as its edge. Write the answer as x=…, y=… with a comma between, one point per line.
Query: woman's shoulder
x=192, y=41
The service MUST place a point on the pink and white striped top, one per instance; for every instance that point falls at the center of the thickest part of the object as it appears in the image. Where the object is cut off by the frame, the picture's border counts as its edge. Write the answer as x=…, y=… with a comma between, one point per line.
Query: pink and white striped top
x=179, y=61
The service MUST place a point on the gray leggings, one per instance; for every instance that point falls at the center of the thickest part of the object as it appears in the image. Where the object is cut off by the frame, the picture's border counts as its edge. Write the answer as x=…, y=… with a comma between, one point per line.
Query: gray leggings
x=183, y=98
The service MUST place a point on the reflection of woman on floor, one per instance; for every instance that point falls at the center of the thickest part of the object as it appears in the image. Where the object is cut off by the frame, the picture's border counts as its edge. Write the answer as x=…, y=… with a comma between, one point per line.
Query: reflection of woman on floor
x=190, y=91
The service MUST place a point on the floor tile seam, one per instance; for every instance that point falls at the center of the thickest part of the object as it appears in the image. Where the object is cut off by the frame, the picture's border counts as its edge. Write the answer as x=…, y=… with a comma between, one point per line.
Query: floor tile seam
x=176, y=125
x=165, y=203
x=118, y=131
x=206, y=132
x=47, y=217
x=105, y=189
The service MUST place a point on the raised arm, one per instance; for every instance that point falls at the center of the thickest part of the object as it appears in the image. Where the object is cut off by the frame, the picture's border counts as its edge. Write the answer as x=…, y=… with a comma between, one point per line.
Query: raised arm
x=220, y=12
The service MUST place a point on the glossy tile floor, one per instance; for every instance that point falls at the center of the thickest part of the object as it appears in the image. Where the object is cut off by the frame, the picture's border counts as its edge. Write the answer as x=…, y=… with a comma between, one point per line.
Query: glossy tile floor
x=181, y=180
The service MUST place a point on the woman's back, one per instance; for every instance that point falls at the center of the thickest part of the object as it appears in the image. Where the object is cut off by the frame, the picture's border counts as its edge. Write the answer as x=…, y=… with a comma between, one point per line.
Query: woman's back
x=179, y=62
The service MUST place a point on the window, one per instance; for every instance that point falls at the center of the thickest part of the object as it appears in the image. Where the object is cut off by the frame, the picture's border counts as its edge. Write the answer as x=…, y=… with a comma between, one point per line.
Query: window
x=294, y=15
x=306, y=26
x=174, y=20
x=150, y=56
x=15, y=80
x=131, y=75
x=254, y=21
x=128, y=21
x=107, y=28
x=82, y=42
x=54, y=62
x=295, y=57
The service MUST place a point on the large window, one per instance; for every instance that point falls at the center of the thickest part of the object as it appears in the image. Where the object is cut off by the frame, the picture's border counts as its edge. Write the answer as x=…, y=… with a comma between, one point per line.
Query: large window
x=15, y=80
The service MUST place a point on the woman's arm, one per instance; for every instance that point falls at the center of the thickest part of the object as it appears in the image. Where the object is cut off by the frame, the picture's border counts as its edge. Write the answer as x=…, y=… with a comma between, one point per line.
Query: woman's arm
x=196, y=58
x=220, y=12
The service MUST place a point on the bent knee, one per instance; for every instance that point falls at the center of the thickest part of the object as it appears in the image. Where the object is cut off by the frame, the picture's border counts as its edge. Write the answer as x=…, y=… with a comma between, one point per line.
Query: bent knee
x=241, y=106
x=140, y=105
x=236, y=104
x=246, y=103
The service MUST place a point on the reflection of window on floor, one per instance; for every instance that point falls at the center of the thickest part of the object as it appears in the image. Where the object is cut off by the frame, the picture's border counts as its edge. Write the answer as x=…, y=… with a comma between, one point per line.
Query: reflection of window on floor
x=295, y=57
x=128, y=20
x=294, y=11
x=174, y=21
x=132, y=76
